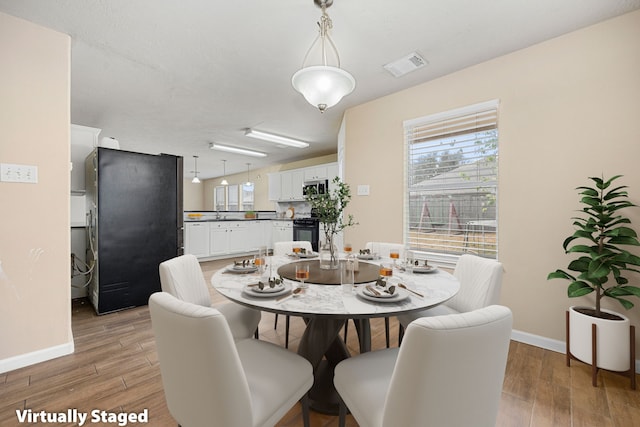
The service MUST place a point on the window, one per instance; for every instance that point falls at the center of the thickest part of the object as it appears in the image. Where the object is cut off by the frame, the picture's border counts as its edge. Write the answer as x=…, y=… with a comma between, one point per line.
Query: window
x=247, y=196
x=232, y=197
x=451, y=184
x=220, y=198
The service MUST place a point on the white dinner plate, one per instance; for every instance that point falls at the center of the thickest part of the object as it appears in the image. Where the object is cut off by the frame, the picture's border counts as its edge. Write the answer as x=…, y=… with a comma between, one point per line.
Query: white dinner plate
x=367, y=256
x=254, y=291
x=304, y=255
x=380, y=290
x=424, y=269
x=399, y=295
x=240, y=269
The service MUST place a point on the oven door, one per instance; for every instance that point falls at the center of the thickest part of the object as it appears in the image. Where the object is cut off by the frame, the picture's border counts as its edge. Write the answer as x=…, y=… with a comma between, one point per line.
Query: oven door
x=307, y=231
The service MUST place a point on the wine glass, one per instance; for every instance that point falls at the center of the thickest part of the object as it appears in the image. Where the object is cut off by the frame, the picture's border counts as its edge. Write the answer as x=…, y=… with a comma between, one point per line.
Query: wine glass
x=348, y=248
x=386, y=270
x=302, y=274
x=296, y=250
x=394, y=254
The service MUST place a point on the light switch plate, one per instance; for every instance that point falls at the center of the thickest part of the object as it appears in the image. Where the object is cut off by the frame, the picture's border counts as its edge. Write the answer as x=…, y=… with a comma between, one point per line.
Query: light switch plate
x=363, y=190
x=18, y=173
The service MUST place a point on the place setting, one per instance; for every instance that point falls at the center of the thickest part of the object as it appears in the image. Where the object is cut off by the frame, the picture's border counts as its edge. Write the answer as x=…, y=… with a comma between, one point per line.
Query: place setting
x=245, y=266
x=302, y=253
x=269, y=288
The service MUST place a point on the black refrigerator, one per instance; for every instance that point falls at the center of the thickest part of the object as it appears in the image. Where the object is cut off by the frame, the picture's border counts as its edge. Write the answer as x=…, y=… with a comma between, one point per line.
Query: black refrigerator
x=134, y=222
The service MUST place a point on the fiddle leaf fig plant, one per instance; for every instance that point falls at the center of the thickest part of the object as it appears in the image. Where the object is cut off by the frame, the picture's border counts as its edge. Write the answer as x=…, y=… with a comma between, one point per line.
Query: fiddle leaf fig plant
x=599, y=239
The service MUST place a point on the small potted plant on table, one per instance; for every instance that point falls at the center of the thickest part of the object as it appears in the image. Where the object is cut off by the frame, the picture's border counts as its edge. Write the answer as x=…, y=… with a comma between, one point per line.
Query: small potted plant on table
x=602, y=338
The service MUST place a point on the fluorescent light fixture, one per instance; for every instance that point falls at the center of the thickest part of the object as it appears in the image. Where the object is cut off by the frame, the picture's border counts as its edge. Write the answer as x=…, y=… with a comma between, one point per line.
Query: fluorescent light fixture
x=283, y=140
x=236, y=150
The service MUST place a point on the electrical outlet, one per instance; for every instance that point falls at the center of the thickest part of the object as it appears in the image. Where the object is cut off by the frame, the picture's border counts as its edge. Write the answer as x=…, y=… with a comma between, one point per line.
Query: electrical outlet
x=18, y=173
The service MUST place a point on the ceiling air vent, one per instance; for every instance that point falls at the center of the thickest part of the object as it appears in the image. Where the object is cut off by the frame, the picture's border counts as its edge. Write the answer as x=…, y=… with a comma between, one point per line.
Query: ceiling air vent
x=405, y=65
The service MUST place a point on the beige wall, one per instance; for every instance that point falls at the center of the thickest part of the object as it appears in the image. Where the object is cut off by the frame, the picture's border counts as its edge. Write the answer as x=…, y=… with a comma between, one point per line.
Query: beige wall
x=569, y=109
x=193, y=197
x=260, y=179
x=35, y=311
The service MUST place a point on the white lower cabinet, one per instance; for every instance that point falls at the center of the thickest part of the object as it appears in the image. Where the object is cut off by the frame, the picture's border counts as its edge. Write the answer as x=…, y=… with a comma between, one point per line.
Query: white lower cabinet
x=217, y=239
x=281, y=231
x=196, y=239
x=237, y=237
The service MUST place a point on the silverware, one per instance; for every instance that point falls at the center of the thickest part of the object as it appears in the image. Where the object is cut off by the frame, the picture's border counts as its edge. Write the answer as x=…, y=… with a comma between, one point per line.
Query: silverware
x=373, y=291
x=293, y=293
x=410, y=290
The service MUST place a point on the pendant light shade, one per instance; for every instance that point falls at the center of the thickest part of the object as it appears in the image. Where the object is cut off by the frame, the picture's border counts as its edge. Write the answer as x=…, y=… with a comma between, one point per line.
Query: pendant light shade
x=324, y=85
x=195, y=179
x=248, y=183
x=224, y=173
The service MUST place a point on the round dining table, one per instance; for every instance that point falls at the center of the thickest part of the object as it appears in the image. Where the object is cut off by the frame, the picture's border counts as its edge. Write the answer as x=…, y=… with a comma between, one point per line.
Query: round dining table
x=325, y=307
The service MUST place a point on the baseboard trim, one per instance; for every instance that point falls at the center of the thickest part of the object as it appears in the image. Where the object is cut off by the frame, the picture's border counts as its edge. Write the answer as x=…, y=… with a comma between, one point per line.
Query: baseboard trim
x=547, y=343
x=17, y=362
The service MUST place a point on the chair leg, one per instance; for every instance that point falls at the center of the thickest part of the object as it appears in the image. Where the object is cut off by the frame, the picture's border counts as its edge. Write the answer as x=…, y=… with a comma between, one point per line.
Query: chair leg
x=305, y=410
x=257, y=334
x=346, y=328
x=400, y=334
x=275, y=324
x=386, y=330
x=342, y=413
x=286, y=331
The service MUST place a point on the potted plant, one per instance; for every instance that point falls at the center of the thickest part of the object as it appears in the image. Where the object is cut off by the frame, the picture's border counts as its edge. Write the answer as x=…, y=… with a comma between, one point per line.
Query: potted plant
x=250, y=214
x=329, y=208
x=599, y=240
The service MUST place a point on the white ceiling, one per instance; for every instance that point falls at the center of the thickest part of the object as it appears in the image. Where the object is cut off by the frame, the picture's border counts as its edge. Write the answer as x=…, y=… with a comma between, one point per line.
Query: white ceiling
x=171, y=76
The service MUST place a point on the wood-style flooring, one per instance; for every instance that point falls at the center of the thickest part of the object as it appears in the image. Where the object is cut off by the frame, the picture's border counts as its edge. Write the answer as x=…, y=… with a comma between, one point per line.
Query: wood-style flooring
x=115, y=368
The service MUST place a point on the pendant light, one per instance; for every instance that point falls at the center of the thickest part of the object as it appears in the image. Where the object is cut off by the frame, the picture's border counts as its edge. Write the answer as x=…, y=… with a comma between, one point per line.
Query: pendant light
x=248, y=183
x=323, y=86
x=224, y=173
x=195, y=179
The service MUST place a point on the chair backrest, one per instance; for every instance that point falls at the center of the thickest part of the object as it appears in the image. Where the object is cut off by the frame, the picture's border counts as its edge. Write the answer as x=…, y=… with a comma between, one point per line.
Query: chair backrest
x=382, y=248
x=203, y=379
x=480, y=283
x=450, y=369
x=286, y=247
x=182, y=278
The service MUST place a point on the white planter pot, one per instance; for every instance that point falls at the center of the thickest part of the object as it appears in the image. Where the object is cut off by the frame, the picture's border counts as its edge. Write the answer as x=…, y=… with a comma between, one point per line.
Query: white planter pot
x=612, y=336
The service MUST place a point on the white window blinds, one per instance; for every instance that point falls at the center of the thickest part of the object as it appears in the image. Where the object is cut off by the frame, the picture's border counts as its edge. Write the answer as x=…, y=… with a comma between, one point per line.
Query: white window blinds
x=451, y=185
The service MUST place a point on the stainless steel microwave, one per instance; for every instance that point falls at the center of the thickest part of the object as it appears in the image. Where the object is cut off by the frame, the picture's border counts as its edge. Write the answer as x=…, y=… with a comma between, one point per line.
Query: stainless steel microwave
x=316, y=187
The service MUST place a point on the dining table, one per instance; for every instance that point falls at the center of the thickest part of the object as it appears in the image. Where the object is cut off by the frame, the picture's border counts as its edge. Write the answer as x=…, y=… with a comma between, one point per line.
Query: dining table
x=325, y=306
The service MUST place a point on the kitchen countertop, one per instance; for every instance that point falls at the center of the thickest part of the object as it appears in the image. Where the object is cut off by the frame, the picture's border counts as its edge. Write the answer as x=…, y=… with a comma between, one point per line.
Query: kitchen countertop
x=239, y=219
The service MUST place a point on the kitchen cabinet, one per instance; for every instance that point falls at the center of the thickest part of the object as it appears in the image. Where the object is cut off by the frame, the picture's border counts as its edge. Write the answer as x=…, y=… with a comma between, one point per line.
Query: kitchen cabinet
x=218, y=240
x=332, y=172
x=315, y=173
x=291, y=183
x=196, y=239
x=237, y=236
x=274, y=187
x=281, y=231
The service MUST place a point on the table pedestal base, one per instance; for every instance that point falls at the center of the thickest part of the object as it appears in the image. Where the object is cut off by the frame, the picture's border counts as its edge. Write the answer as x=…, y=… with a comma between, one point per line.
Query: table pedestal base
x=320, y=341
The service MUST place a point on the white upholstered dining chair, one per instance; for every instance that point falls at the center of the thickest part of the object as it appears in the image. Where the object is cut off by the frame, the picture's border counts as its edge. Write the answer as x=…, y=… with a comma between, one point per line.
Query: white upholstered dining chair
x=281, y=249
x=480, y=285
x=182, y=277
x=210, y=380
x=448, y=372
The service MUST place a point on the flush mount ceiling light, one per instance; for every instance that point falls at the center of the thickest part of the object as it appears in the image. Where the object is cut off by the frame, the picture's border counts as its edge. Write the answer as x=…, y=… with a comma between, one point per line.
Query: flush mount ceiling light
x=236, y=150
x=224, y=173
x=195, y=179
x=282, y=140
x=323, y=86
